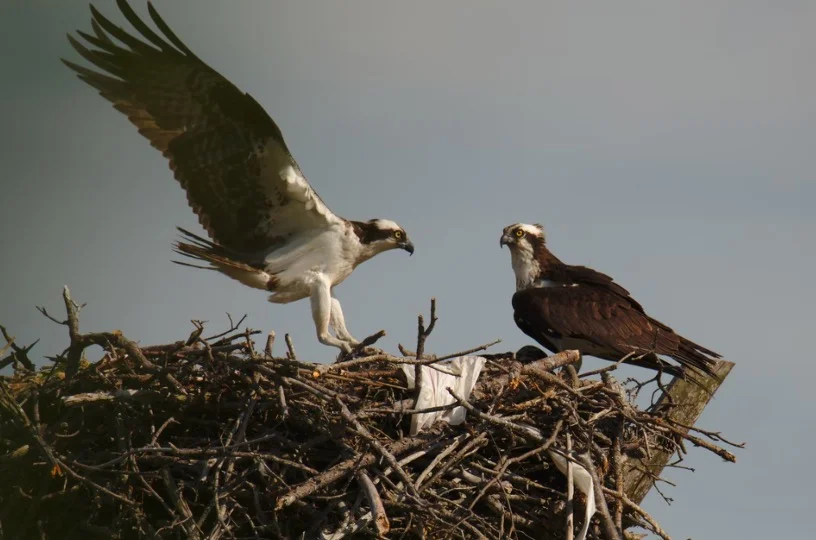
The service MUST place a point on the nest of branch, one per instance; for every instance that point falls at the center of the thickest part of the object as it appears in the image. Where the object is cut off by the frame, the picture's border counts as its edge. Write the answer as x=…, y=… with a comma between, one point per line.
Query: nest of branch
x=208, y=438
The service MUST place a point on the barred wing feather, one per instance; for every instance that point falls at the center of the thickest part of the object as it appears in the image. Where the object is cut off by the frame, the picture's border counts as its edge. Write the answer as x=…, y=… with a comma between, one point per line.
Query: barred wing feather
x=224, y=149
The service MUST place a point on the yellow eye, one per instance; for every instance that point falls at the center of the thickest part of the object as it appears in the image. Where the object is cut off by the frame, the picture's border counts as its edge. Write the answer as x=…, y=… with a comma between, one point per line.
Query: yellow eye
x=397, y=234
x=519, y=233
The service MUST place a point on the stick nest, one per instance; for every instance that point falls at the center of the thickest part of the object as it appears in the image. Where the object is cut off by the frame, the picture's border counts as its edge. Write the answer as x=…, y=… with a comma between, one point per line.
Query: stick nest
x=209, y=438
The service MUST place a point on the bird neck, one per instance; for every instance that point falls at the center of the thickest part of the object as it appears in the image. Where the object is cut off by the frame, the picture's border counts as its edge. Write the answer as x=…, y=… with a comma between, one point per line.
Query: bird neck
x=366, y=251
x=525, y=265
x=368, y=240
x=534, y=266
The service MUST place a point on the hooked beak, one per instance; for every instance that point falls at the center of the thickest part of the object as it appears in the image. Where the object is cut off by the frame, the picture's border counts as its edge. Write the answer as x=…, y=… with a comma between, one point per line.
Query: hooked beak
x=407, y=246
x=505, y=240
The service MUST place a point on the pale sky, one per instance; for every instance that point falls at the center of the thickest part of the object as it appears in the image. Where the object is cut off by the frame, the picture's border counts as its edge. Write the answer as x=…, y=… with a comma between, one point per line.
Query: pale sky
x=669, y=145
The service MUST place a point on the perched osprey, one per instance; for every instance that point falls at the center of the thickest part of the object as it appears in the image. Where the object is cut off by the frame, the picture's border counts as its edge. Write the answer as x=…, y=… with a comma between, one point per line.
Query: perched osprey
x=269, y=228
x=574, y=307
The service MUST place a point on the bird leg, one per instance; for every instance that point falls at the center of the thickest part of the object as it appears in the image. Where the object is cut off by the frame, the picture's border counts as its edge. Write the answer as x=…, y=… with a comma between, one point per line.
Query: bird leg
x=338, y=323
x=322, y=315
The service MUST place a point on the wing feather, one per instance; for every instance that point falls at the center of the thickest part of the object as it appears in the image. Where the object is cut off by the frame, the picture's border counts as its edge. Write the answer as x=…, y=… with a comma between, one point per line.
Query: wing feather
x=605, y=318
x=223, y=148
x=583, y=274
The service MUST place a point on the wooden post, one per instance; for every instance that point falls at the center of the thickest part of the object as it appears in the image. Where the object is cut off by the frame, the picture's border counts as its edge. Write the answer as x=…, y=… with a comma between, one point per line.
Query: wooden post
x=690, y=400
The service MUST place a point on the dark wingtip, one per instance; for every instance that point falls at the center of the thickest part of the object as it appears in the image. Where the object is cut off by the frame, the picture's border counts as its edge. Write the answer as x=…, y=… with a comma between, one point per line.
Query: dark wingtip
x=74, y=67
x=95, y=12
x=168, y=33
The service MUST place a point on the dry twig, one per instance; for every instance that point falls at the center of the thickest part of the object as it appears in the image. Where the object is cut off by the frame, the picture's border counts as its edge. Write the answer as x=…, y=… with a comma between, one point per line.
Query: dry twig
x=207, y=438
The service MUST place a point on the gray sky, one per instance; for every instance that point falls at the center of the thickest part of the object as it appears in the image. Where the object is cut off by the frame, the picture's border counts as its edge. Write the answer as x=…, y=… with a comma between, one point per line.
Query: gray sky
x=666, y=145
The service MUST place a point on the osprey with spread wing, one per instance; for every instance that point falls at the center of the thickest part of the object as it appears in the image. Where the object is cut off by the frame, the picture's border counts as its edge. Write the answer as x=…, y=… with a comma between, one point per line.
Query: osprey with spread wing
x=269, y=228
x=574, y=307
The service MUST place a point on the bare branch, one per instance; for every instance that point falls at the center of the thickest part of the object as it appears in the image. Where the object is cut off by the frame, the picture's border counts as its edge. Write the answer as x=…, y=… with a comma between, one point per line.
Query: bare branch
x=374, y=501
x=207, y=438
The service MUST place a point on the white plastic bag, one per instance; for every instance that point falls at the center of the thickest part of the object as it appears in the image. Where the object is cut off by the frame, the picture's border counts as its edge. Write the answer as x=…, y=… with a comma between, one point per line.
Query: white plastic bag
x=434, y=389
x=583, y=481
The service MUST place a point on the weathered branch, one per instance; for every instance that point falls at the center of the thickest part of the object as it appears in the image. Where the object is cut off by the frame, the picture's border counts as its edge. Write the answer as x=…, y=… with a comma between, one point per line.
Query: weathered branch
x=19, y=354
x=375, y=503
x=689, y=401
x=339, y=471
x=205, y=437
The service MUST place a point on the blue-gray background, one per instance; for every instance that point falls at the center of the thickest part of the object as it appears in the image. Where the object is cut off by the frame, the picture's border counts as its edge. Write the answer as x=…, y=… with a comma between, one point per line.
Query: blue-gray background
x=671, y=146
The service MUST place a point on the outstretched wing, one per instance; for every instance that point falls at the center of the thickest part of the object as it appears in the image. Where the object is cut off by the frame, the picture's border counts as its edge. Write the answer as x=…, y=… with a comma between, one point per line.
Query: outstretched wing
x=224, y=149
x=609, y=323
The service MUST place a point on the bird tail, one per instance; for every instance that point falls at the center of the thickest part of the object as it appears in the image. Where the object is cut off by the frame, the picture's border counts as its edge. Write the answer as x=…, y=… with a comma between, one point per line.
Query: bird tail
x=696, y=361
x=655, y=363
x=685, y=371
x=222, y=259
x=697, y=357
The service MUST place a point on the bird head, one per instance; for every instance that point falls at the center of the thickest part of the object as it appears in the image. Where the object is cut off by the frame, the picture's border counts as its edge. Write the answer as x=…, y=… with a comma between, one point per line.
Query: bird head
x=522, y=236
x=378, y=235
x=526, y=243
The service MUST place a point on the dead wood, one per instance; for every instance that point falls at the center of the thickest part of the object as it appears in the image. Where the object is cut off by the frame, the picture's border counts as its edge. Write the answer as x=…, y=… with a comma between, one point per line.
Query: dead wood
x=208, y=438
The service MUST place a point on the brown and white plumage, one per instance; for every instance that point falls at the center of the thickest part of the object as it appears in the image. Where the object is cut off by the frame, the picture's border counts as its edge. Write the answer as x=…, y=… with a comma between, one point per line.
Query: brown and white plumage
x=574, y=307
x=269, y=228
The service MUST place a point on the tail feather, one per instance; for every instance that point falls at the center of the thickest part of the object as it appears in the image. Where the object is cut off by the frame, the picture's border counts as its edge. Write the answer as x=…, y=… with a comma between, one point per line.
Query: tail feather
x=655, y=363
x=688, y=345
x=697, y=357
x=223, y=259
x=692, y=370
x=182, y=263
x=202, y=249
x=691, y=356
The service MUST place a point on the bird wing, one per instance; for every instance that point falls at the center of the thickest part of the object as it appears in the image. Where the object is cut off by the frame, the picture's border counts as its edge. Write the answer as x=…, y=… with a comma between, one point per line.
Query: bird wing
x=226, y=152
x=603, y=317
x=583, y=274
x=584, y=312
